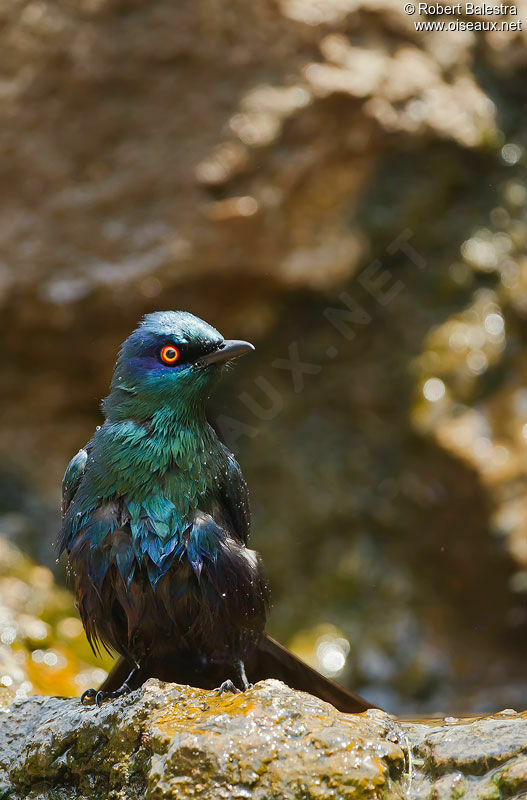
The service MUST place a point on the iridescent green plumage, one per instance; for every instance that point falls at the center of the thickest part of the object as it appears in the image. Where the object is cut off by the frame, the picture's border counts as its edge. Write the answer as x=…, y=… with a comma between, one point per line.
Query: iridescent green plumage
x=156, y=454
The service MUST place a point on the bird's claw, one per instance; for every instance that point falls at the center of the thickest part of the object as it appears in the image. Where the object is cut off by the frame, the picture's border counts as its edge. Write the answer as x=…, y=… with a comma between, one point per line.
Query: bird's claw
x=99, y=697
x=89, y=694
x=227, y=686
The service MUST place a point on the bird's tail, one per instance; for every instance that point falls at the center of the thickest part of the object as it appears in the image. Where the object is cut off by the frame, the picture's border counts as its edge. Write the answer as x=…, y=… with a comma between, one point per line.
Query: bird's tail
x=272, y=660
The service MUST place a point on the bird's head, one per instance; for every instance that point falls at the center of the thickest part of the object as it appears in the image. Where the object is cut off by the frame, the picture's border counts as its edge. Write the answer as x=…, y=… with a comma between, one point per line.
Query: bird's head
x=171, y=360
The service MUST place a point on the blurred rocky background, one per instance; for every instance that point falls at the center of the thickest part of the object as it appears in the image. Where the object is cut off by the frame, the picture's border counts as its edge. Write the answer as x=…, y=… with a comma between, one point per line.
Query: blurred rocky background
x=350, y=195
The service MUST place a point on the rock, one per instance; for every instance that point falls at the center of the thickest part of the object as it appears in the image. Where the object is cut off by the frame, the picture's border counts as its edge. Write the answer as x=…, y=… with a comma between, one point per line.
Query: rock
x=477, y=759
x=167, y=740
x=271, y=742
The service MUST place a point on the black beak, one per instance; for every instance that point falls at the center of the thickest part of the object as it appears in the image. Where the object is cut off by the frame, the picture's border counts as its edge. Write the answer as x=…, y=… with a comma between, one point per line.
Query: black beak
x=227, y=350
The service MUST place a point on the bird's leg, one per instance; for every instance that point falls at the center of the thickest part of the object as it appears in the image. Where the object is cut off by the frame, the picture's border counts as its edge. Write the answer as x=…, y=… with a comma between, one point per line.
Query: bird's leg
x=240, y=666
x=99, y=696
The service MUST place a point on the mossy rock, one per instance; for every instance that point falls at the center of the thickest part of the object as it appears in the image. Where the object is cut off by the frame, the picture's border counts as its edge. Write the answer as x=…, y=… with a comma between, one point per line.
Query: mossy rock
x=171, y=741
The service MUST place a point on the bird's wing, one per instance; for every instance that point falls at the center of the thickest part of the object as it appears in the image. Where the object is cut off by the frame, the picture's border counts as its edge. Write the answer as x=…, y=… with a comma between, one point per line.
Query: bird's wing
x=234, y=497
x=72, y=478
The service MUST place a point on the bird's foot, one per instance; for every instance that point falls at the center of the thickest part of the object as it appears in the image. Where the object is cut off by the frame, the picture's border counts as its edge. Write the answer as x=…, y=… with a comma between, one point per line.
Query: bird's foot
x=98, y=697
x=227, y=686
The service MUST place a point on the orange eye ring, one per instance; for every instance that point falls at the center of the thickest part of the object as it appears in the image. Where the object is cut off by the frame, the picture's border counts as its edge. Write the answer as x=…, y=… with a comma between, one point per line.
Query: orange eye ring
x=169, y=354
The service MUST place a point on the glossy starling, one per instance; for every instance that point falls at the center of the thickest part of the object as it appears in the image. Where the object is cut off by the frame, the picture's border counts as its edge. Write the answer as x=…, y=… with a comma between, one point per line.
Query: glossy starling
x=156, y=523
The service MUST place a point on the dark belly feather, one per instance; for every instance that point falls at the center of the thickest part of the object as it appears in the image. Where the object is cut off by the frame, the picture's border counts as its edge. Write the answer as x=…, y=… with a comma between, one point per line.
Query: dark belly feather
x=214, y=611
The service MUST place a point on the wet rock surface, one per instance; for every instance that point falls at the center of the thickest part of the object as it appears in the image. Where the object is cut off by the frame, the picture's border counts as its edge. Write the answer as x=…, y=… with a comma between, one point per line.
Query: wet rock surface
x=268, y=743
x=167, y=740
x=478, y=759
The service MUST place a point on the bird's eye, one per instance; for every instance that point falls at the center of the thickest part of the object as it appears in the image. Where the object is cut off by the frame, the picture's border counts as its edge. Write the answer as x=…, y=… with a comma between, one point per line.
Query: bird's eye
x=169, y=354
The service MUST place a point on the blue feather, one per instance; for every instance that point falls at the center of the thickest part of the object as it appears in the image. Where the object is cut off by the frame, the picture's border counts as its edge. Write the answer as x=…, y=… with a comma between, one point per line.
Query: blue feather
x=124, y=557
x=98, y=566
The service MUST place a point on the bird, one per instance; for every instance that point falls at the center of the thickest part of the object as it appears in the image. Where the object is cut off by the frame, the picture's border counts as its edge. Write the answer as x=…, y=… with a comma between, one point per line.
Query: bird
x=155, y=527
